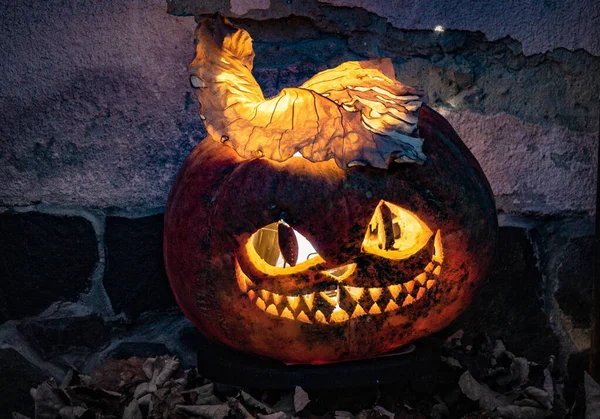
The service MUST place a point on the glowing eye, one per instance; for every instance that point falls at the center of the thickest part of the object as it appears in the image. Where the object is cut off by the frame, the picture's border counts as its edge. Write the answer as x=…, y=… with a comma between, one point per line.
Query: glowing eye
x=395, y=233
x=278, y=249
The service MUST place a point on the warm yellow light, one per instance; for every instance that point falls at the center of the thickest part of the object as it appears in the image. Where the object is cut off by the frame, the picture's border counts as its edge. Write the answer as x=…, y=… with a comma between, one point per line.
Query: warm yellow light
x=392, y=306
x=358, y=311
x=362, y=100
x=395, y=233
x=355, y=292
x=375, y=293
x=438, y=249
x=400, y=295
x=264, y=253
x=421, y=278
x=338, y=315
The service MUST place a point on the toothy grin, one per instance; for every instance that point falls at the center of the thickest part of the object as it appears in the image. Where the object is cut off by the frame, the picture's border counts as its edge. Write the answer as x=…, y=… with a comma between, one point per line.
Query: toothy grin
x=343, y=303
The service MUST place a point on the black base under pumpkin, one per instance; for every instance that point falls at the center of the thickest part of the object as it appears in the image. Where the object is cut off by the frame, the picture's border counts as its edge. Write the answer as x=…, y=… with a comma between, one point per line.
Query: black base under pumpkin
x=228, y=366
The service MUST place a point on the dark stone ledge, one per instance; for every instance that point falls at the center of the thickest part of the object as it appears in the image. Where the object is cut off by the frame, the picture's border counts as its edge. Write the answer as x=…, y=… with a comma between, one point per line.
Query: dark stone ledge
x=135, y=277
x=43, y=258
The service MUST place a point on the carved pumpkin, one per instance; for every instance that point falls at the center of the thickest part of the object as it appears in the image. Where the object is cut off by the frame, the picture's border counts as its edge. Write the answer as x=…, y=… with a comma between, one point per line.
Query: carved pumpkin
x=336, y=221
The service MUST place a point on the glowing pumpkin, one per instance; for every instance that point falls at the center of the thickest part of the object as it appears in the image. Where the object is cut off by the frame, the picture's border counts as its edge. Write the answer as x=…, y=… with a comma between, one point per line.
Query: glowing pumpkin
x=336, y=221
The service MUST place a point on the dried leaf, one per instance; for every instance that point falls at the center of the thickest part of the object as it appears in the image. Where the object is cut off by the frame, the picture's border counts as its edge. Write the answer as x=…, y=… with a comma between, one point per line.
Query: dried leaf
x=251, y=401
x=276, y=415
x=168, y=367
x=520, y=370
x=74, y=412
x=238, y=408
x=499, y=349
x=132, y=411
x=354, y=112
x=487, y=398
x=522, y=412
x=549, y=383
x=286, y=405
x=141, y=390
x=592, y=397
x=67, y=380
x=540, y=396
x=301, y=399
x=451, y=362
x=209, y=412
x=47, y=402
x=212, y=399
x=116, y=374
x=383, y=412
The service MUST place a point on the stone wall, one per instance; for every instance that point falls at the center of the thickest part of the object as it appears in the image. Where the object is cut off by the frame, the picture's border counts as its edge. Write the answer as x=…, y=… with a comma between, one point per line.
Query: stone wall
x=96, y=116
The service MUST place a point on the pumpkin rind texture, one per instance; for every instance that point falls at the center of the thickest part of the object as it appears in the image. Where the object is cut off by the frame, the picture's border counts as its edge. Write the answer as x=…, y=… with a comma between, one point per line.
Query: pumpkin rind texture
x=220, y=200
x=337, y=221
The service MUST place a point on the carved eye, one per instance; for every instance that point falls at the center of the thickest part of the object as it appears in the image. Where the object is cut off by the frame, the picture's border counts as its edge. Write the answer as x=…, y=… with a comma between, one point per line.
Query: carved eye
x=395, y=233
x=278, y=249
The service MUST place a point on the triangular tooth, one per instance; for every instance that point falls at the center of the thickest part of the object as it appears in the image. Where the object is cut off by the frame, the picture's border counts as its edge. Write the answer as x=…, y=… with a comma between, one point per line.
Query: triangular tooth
x=287, y=314
x=277, y=298
x=358, y=311
x=429, y=267
x=375, y=293
x=375, y=309
x=293, y=301
x=409, y=300
x=346, y=301
x=339, y=316
x=303, y=318
x=395, y=290
x=261, y=304
x=251, y=295
x=355, y=292
x=437, y=270
x=408, y=286
x=421, y=278
x=430, y=283
x=421, y=293
x=241, y=283
x=272, y=310
x=310, y=300
x=392, y=306
x=265, y=294
x=320, y=317
x=438, y=249
x=333, y=300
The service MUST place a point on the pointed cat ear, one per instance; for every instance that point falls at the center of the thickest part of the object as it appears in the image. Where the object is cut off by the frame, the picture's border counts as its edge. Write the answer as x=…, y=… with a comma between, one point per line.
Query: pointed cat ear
x=235, y=40
x=228, y=38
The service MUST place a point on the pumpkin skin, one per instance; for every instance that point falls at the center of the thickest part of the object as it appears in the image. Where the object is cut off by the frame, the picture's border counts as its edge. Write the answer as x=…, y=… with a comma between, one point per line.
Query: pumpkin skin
x=219, y=200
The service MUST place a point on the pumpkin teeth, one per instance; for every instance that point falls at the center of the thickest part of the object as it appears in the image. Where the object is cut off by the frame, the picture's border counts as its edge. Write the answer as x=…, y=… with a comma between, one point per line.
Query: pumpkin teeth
x=375, y=293
x=408, y=301
x=344, y=302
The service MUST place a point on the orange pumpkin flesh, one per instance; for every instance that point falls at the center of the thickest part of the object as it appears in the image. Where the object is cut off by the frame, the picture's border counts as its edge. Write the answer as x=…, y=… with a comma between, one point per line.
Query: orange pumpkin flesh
x=348, y=302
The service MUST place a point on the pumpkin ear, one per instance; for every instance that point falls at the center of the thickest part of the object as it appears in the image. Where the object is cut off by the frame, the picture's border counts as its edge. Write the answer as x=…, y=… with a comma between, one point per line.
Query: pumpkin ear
x=222, y=29
x=237, y=41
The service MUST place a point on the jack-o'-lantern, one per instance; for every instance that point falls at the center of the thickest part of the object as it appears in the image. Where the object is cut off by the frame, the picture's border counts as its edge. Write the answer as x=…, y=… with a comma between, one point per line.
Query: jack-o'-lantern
x=335, y=221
